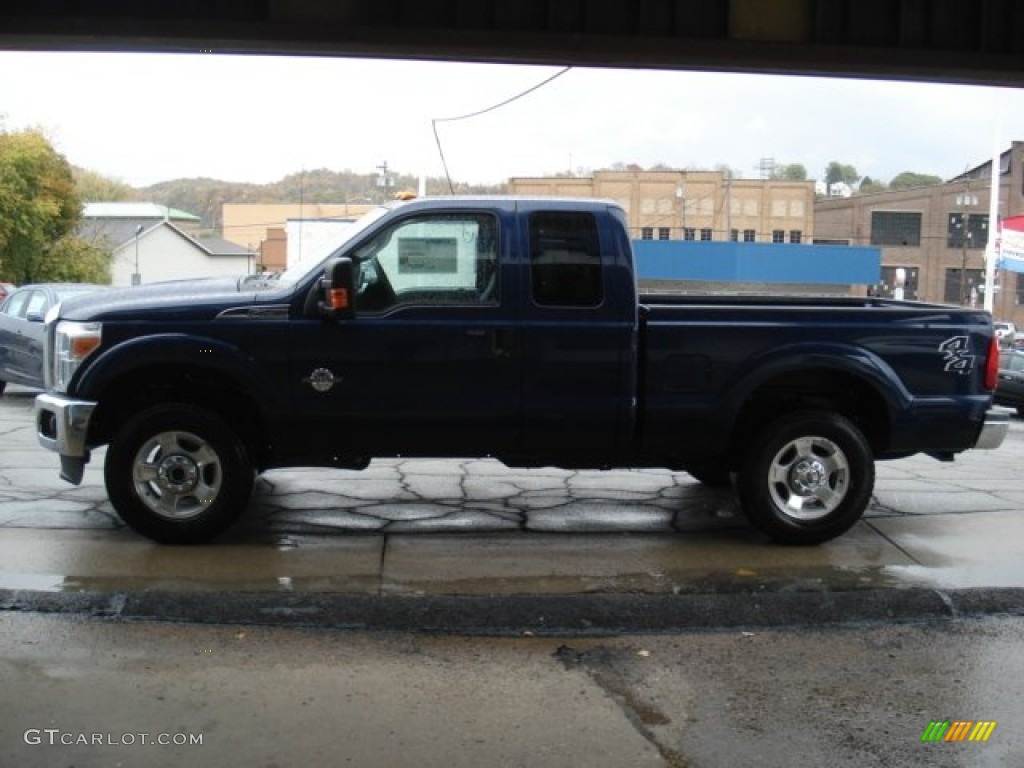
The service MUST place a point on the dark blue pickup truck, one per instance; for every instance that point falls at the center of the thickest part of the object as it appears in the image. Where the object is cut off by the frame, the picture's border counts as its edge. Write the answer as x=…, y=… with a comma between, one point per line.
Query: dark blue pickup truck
x=511, y=328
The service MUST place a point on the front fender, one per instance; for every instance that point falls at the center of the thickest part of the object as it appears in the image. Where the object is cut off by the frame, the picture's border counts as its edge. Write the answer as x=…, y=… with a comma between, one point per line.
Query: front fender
x=175, y=349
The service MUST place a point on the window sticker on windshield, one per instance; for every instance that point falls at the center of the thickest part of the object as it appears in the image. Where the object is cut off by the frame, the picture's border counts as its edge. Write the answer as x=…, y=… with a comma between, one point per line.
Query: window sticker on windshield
x=428, y=255
x=955, y=354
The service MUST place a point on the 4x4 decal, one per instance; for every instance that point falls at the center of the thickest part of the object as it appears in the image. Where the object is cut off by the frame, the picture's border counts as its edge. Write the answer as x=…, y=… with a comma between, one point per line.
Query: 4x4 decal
x=955, y=353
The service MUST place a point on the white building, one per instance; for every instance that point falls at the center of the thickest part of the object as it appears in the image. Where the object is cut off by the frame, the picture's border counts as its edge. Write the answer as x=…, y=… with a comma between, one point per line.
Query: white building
x=162, y=251
x=311, y=240
x=837, y=189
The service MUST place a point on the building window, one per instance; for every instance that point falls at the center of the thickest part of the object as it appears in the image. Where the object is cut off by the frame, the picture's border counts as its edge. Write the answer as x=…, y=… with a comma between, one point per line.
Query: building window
x=886, y=289
x=969, y=291
x=977, y=230
x=795, y=235
x=647, y=233
x=749, y=236
x=663, y=233
x=778, y=236
x=705, y=234
x=734, y=235
x=895, y=228
x=689, y=233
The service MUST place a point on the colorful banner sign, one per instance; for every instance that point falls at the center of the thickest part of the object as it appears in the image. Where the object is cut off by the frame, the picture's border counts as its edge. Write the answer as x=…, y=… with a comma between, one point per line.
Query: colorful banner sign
x=1011, y=244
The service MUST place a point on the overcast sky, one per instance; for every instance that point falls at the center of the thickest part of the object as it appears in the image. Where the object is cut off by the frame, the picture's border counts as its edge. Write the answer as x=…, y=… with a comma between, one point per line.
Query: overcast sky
x=144, y=118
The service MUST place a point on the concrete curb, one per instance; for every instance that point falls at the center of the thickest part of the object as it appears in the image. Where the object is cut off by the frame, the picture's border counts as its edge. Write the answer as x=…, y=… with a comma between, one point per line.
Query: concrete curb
x=576, y=614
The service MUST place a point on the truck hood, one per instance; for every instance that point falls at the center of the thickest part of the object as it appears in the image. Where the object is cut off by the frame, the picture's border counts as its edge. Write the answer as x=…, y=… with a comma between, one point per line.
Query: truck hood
x=203, y=298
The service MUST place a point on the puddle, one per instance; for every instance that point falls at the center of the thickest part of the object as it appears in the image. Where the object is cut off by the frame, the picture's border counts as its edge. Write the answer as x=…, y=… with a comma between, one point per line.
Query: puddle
x=37, y=582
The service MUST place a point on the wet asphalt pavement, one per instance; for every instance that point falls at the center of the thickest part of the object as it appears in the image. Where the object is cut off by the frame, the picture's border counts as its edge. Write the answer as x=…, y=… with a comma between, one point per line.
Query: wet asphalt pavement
x=458, y=613
x=99, y=693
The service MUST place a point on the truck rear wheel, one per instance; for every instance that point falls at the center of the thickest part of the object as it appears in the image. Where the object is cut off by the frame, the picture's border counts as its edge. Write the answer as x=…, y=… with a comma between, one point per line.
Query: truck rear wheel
x=807, y=477
x=178, y=474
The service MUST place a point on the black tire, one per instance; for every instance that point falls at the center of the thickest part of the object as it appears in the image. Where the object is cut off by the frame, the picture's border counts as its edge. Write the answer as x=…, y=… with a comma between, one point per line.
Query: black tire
x=3, y=386
x=711, y=474
x=807, y=477
x=1020, y=408
x=178, y=474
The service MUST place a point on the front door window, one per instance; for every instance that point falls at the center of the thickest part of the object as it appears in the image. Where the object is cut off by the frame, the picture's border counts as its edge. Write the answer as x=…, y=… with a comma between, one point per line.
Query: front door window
x=446, y=259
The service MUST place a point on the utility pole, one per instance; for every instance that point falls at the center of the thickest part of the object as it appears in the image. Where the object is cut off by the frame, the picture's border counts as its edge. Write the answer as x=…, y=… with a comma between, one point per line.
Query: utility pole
x=385, y=178
x=137, y=276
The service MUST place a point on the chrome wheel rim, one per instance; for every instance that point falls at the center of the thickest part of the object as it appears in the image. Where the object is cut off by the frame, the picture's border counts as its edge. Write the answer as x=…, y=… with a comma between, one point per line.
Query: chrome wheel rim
x=808, y=478
x=177, y=474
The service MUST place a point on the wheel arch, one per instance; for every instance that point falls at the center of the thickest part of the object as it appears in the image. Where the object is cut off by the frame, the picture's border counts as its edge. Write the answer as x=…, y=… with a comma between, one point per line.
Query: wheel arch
x=846, y=380
x=203, y=372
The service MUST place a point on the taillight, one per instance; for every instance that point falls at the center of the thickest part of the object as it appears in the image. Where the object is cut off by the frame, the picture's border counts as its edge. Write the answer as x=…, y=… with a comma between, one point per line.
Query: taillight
x=992, y=365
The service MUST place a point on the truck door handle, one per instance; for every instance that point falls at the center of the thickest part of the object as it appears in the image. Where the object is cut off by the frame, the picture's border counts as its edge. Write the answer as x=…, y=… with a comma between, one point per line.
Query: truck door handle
x=501, y=339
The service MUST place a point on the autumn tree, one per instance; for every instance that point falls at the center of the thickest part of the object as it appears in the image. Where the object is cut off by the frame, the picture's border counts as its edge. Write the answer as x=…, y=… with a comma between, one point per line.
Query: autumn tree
x=39, y=210
x=94, y=187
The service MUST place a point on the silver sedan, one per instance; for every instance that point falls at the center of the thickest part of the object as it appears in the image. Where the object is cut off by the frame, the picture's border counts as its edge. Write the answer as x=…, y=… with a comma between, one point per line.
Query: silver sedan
x=21, y=329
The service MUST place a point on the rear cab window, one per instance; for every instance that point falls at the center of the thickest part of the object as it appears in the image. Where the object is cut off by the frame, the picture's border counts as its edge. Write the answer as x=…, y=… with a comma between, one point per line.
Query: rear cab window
x=565, y=259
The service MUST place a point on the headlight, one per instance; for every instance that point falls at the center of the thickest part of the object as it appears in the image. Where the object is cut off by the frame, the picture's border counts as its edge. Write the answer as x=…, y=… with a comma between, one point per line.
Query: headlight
x=72, y=343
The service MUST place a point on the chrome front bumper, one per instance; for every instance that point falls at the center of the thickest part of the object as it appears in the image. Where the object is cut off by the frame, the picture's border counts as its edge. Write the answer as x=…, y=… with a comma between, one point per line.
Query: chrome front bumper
x=62, y=426
x=993, y=431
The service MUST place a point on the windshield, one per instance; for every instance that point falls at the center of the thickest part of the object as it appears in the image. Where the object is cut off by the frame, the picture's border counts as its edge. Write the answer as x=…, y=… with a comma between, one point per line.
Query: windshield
x=296, y=273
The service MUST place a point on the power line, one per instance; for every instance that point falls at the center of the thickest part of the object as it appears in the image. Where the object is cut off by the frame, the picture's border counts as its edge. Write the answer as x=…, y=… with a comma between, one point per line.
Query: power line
x=436, y=120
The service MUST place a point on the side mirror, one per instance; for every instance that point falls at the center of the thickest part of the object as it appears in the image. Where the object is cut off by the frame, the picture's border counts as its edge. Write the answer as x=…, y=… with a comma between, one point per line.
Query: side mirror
x=34, y=317
x=338, y=290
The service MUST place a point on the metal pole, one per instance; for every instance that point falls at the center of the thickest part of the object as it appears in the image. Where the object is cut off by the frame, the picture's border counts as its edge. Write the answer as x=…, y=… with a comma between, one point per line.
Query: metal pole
x=991, y=253
x=137, y=277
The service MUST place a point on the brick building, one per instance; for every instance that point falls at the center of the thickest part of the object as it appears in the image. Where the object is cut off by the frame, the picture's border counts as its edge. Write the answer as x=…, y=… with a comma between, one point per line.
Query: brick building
x=937, y=234
x=693, y=205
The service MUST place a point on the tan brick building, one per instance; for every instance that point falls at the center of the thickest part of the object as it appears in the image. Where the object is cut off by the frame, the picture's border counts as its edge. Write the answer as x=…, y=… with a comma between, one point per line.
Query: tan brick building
x=922, y=230
x=693, y=205
x=261, y=227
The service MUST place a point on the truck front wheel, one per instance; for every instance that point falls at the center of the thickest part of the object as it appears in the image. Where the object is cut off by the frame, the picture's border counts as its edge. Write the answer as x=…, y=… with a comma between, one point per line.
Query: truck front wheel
x=807, y=477
x=178, y=474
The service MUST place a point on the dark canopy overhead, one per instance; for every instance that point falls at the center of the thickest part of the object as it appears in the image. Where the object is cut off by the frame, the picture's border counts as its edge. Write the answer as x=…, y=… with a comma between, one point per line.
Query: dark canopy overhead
x=967, y=41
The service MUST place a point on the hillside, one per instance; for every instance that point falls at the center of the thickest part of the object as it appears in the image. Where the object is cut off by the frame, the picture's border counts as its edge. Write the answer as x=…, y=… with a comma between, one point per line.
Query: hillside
x=204, y=197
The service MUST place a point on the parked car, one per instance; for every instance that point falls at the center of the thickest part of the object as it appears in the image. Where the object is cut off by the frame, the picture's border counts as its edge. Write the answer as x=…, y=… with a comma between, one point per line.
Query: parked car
x=1010, y=387
x=1006, y=333
x=6, y=289
x=21, y=329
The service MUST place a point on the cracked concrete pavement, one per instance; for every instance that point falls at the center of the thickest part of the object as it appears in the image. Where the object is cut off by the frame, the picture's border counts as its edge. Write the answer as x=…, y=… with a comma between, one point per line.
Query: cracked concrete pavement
x=474, y=528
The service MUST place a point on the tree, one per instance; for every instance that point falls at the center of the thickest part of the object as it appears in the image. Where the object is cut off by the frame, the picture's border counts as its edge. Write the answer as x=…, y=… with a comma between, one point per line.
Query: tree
x=869, y=185
x=909, y=179
x=39, y=210
x=94, y=187
x=791, y=172
x=838, y=172
x=74, y=260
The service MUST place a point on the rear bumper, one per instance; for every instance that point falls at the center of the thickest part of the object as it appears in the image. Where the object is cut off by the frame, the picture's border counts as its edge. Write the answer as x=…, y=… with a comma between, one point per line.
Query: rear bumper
x=62, y=426
x=993, y=430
